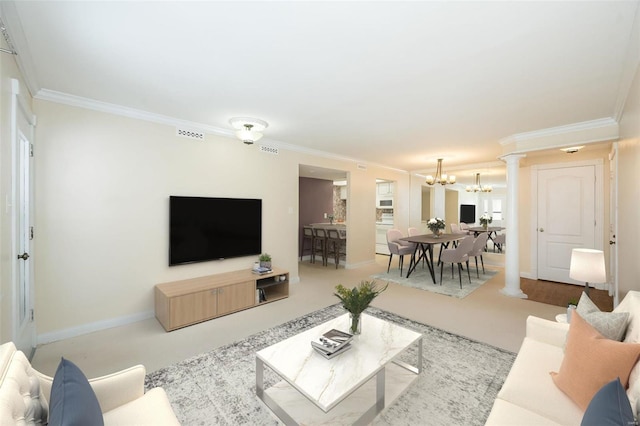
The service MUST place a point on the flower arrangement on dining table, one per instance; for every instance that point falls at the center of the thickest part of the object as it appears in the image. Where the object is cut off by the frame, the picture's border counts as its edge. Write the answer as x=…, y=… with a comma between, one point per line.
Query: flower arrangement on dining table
x=436, y=224
x=485, y=220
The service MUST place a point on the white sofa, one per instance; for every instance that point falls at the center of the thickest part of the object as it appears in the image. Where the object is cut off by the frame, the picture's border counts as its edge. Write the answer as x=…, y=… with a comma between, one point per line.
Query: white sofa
x=25, y=392
x=530, y=397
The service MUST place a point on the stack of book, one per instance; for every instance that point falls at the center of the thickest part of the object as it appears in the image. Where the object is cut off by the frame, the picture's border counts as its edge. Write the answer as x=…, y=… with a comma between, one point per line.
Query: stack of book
x=332, y=343
x=262, y=270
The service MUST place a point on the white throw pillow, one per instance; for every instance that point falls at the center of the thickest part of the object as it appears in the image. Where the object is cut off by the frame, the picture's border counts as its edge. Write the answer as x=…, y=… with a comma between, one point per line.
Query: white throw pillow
x=611, y=325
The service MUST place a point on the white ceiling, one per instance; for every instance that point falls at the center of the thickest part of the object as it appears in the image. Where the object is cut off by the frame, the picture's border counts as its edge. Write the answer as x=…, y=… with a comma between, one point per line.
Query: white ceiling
x=393, y=83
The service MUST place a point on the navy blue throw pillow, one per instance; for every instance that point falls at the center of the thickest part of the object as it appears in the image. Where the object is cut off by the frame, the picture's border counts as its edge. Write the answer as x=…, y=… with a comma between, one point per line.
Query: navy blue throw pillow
x=609, y=406
x=73, y=402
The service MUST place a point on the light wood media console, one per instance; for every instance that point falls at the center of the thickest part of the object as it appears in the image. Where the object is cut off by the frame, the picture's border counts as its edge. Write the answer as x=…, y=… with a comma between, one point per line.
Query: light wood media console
x=186, y=302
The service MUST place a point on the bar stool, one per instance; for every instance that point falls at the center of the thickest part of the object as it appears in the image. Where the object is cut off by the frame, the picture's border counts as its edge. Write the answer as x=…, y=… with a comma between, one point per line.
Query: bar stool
x=319, y=245
x=307, y=235
x=335, y=242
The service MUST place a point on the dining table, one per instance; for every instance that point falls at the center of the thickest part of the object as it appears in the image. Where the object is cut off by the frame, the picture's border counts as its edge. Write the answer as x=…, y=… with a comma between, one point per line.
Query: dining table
x=492, y=231
x=424, y=249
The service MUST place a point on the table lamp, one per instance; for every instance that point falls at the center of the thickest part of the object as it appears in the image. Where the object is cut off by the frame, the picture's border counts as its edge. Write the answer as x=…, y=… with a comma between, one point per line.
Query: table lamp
x=587, y=265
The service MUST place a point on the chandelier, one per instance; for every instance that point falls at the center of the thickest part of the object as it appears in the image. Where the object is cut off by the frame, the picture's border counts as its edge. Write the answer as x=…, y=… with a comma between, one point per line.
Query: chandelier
x=479, y=188
x=440, y=178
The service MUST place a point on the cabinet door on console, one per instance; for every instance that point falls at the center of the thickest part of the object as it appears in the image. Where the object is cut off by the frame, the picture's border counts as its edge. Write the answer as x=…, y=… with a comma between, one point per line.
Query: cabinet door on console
x=235, y=297
x=194, y=307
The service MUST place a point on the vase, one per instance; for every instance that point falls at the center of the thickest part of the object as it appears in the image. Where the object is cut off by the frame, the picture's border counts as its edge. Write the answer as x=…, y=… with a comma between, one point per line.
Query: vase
x=484, y=225
x=355, y=323
x=436, y=233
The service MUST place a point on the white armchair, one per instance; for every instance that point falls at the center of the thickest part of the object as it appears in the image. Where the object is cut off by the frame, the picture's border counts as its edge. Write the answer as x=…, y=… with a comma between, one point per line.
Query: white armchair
x=25, y=394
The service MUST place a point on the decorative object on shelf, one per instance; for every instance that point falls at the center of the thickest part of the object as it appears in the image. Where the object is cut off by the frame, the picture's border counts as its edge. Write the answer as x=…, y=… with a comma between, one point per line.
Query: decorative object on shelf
x=485, y=220
x=330, y=217
x=436, y=226
x=356, y=300
x=248, y=129
x=440, y=178
x=587, y=265
x=265, y=260
x=477, y=187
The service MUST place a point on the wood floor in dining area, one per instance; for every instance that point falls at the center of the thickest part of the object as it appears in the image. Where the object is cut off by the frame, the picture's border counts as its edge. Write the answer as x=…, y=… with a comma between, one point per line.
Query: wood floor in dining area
x=559, y=294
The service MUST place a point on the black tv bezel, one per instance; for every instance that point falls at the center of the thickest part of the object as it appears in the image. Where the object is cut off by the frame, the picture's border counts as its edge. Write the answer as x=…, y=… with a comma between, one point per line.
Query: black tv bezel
x=216, y=258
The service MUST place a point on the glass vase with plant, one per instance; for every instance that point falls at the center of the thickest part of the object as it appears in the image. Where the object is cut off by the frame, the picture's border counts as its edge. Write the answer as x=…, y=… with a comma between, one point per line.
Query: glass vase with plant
x=485, y=220
x=356, y=300
x=436, y=225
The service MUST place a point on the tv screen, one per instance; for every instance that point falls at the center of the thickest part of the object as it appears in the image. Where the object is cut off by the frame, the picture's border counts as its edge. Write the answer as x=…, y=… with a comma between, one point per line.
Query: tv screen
x=467, y=213
x=202, y=229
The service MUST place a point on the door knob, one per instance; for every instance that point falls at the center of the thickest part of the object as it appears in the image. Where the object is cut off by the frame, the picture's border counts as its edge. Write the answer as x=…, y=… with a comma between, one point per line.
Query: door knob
x=23, y=256
x=541, y=229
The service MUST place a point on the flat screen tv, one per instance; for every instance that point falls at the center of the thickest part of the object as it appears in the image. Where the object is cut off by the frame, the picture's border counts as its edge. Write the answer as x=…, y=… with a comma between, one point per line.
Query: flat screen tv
x=468, y=213
x=202, y=229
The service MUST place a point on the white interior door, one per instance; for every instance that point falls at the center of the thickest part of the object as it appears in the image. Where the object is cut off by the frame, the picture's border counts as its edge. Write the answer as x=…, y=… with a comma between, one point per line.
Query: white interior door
x=23, y=121
x=566, y=218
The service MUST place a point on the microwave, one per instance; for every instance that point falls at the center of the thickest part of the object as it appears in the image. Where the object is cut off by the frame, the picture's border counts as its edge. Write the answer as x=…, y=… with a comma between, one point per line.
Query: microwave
x=386, y=203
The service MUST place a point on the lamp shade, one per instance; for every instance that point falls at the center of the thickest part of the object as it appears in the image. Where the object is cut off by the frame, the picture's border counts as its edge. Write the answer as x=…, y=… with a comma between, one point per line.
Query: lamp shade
x=588, y=265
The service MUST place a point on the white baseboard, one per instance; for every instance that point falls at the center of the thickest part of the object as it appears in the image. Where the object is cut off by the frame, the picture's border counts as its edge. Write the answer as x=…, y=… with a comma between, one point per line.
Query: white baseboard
x=359, y=264
x=91, y=327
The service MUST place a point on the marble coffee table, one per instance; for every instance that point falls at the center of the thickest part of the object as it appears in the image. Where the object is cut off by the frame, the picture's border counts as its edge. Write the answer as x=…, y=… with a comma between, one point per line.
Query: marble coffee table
x=352, y=388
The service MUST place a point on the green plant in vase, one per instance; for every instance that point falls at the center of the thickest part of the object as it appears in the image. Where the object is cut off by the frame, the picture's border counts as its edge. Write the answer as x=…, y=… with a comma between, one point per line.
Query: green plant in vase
x=265, y=260
x=436, y=225
x=485, y=220
x=356, y=300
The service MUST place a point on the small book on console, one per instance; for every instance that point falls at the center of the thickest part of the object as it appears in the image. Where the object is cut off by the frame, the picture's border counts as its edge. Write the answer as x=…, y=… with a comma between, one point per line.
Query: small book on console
x=261, y=270
x=332, y=341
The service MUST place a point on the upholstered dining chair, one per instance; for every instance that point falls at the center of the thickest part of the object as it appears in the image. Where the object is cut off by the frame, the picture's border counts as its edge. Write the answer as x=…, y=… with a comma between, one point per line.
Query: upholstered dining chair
x=478, y=248
x=464, y=228
x=498, y=242
x=457, y=255
x=399, y=248
x=455, y=228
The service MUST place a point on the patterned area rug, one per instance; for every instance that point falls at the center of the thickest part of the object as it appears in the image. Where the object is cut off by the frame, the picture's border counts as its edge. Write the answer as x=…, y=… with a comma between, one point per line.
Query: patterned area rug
x=421, y=278
x=458, y=384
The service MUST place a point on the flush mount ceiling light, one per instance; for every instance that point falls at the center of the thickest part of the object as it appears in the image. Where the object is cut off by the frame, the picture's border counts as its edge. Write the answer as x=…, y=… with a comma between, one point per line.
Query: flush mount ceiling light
x=478, y=187
x=440, y=178
x=248, y=129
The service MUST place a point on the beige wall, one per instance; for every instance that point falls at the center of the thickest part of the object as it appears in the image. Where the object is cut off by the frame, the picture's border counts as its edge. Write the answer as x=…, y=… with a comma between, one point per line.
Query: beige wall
x=102, y=188
x=628, y=239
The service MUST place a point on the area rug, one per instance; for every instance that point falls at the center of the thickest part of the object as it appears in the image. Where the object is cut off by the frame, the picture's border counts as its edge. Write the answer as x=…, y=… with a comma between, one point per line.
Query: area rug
x=421, y=279
x=458, y=384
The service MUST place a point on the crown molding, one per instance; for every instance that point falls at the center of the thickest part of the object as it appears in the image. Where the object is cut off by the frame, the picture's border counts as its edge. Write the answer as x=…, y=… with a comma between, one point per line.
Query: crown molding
x=13, y=25
x=600, y=130
x=91, y=104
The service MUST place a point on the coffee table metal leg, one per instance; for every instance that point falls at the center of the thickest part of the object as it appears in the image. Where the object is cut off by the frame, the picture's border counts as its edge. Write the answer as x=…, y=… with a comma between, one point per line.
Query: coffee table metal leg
x=269, y=402
x=376, y=408
x=380, y=378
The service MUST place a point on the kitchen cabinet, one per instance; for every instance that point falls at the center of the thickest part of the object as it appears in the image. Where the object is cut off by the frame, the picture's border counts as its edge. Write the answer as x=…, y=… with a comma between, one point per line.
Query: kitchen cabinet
x=343, y=192
x=385, y=189
x=381, y=238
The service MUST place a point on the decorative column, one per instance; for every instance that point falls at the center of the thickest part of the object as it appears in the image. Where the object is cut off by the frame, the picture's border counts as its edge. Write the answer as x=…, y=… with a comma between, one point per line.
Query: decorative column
x=512, y=258
x=438, y=197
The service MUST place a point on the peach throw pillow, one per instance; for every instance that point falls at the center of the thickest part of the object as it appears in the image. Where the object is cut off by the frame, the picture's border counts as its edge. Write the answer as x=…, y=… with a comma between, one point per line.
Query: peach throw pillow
x=591, y=361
